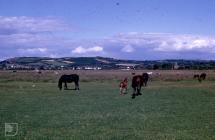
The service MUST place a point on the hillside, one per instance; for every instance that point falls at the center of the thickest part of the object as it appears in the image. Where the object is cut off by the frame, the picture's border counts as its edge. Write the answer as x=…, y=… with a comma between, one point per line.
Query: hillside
x=101, y=63
x=66, y=62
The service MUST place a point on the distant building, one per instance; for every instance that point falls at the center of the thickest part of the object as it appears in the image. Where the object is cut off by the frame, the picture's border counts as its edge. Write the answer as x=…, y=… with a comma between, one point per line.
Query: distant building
x=126, y=66
x=92, y=68
x=176, y=66
x=17, y=66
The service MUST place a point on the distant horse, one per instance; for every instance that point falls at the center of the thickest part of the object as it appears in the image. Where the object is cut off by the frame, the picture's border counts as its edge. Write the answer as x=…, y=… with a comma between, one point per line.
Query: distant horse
x=137, y=82
x=68, y=79
x=202, y=77
x=196, y=76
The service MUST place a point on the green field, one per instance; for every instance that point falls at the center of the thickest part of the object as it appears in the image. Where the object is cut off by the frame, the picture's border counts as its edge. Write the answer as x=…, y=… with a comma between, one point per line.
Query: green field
x=169, y=109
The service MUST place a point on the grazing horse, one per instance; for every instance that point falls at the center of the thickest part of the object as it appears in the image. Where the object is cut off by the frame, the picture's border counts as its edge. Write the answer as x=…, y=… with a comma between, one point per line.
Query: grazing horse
x=196, y=76
x=137, y=82
x=202, y=77
x=123, y=86
x=68, y=79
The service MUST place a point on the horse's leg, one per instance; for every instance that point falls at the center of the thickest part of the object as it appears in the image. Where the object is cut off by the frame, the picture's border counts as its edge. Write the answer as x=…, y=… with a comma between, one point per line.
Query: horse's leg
x=134, y=93
x=123, y=91
x=120, y=90
x=200, y=80
x=138, y=90
x=65, y=85
x=76, y=86
x=126, y=90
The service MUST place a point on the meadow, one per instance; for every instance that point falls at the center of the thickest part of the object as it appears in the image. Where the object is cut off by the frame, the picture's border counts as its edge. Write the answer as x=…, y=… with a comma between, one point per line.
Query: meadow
x=173, y=106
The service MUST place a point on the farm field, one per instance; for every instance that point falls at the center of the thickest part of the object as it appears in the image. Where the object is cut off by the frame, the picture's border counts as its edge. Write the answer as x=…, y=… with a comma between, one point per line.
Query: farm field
x=173, y=106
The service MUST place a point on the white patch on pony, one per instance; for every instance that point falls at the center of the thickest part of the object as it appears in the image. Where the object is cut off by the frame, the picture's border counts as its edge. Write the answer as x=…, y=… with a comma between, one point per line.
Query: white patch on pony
x=149, y=73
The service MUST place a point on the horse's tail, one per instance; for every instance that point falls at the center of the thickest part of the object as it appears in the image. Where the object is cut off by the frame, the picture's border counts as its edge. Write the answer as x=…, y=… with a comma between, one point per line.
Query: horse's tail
x=60, y=83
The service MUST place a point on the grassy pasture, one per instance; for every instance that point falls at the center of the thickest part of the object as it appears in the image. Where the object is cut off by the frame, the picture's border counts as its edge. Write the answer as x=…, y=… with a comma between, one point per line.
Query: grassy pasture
x=173, y=106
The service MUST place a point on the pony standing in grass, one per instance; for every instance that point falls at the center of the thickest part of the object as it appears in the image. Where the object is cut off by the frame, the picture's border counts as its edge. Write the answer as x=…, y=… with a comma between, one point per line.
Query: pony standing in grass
x=200, y=77
x=137, y=82
x=123, y=86
x=68, y=79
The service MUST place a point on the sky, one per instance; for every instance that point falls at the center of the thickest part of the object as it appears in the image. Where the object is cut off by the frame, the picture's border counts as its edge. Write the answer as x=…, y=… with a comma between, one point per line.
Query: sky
x=123, y=29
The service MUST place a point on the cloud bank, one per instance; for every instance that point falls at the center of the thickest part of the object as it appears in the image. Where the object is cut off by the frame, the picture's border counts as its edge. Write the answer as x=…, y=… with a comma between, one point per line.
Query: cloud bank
x=16, y=25
x=30, y=36
x=162, y=46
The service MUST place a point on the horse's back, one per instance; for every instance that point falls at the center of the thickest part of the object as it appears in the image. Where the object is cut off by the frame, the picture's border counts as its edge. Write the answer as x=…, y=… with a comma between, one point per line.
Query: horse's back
x=145, y=76
x=137, y=80
x=196, y=76
x=203, y=75
x=70, y=78
x=75, y=77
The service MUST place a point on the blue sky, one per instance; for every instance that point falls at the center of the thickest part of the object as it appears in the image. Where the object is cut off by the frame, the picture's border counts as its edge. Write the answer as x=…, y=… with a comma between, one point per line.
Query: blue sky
x=127, y=29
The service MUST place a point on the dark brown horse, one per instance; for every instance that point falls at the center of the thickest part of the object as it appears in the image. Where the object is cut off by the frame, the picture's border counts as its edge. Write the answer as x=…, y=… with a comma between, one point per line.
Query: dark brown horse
x=68, y=79
x=196, y=76
x=137, y=82
x=200, y=77
x=145, y=78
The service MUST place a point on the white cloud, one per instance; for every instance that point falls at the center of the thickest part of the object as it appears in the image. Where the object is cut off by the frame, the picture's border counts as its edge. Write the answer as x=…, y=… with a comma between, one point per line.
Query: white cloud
x=82, y=50
x=32, y=31
x=163, y=42
x=79, y=50
x=23, y=24
x=33, y=50
x=95, y=49
x=30, y=36
x=176, y=43
x=128, y=49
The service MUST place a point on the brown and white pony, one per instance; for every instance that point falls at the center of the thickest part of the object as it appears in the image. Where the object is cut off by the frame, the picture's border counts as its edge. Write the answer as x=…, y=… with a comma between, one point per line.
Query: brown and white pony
x=123, y=86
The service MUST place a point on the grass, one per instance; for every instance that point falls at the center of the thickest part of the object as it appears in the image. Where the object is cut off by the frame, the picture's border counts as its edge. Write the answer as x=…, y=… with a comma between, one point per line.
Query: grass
x=167, y=110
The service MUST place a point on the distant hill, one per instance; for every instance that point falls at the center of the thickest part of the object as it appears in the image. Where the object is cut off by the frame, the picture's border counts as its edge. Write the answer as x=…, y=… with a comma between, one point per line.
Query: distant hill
x=66, y=63
x=101, y=63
